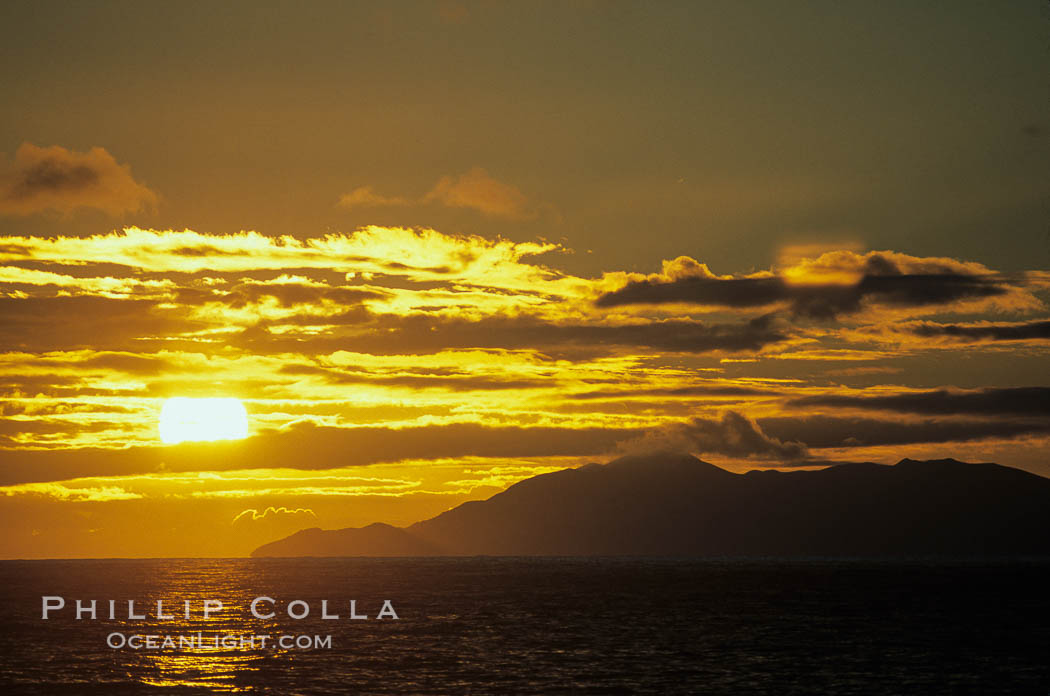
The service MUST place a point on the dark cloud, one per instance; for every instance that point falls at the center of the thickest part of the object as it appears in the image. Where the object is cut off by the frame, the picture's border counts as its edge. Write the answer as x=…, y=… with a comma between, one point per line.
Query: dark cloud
x=54, y=178
x=391, y=334
x=351, y=316
x=54, y=428
x=15, y=384
x=821, y=301
x=71, y=323
x=52, y=175
x=830, y=431
x=59, y=408
x=248, y=293
x=199, y=250
x=672, y=391
x=982, y=332
x=927, y=289
x=291, y=294
x=126, y=362
x=56, y=386
x=989, y=401
x=307, y=446
x=423, y=380
x=736, y=292
x=397, y=266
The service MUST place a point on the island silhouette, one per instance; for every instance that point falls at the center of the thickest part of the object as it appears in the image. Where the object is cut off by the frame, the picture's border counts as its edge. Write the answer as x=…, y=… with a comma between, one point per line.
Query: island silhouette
x=678, y=505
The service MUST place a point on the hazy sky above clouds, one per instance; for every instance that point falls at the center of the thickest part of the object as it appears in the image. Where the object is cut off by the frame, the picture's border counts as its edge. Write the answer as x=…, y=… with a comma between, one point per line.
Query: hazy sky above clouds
x=637, y=131
x=438, y=247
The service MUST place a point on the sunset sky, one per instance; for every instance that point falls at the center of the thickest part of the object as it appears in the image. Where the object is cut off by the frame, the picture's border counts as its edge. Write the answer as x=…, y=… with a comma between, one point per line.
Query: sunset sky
x=438, y=247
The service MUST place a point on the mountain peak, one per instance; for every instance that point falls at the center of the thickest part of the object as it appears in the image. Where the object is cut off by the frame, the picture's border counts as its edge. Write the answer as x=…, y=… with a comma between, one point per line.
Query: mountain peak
x=932, y=462
x=663, y=461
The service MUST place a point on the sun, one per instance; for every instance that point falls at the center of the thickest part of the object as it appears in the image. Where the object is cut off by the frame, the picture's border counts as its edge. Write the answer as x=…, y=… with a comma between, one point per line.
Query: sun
x=194, y=420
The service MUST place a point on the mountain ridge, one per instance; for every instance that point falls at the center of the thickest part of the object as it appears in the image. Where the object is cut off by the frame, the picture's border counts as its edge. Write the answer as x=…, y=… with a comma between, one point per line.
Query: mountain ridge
x=677, y=505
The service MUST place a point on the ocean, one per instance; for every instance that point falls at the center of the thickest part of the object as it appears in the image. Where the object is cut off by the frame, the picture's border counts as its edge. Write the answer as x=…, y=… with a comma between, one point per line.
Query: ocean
x=529, y=626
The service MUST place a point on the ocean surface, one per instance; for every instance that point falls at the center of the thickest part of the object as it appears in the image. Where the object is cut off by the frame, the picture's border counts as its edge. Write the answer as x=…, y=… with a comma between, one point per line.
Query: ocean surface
x=531, y=626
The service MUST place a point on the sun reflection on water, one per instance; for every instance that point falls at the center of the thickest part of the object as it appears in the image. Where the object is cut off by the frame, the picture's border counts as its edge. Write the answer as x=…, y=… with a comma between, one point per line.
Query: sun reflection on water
x=207, y=664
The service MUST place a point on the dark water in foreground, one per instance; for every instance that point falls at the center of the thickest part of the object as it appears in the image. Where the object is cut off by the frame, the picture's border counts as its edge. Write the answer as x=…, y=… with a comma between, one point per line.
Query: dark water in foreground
x=517, y=626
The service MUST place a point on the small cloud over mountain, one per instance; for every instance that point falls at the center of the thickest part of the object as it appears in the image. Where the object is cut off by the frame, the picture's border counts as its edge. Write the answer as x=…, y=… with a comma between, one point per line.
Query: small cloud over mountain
x=253, y=515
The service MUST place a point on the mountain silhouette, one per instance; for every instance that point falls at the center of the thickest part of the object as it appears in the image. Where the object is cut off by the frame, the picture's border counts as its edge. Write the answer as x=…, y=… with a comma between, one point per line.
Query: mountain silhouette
x=677, y=505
